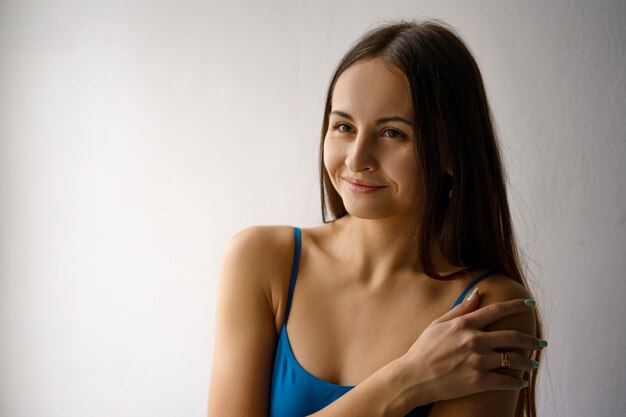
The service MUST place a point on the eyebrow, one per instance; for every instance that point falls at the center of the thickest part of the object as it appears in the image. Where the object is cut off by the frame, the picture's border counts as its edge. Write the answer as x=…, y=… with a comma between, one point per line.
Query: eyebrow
x=379, y=121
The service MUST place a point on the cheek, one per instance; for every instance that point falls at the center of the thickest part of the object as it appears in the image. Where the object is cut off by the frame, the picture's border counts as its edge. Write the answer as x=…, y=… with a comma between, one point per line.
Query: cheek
x=404, y=168
x=332, y=158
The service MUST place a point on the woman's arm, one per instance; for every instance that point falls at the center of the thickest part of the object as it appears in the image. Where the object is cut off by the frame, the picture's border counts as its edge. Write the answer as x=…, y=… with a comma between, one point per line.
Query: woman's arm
x=245, y=335
x=499, y=403
x=445, y=362
x=434, y=369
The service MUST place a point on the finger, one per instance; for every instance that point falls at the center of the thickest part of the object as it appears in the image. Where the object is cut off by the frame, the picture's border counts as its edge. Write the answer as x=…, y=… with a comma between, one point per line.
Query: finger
x=468, y=305
x=495, y=360
x=498, y=382
x=493, y=312
x=508, y=339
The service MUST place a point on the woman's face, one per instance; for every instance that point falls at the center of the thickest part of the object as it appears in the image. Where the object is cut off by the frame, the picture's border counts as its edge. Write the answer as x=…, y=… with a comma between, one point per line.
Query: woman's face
x=370, y=139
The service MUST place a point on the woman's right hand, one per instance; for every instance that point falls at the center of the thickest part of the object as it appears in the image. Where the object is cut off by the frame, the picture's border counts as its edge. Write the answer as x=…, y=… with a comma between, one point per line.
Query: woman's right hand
x=454, y=357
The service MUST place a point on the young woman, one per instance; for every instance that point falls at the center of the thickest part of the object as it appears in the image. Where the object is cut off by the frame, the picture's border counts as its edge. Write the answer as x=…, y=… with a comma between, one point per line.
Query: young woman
x=355, y=317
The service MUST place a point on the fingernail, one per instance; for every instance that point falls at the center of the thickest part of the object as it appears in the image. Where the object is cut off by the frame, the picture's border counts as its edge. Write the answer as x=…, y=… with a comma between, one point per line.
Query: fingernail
x=524, y=384
x=529, y=302
x=473, y=293
x=542, y=343
x=535, y=364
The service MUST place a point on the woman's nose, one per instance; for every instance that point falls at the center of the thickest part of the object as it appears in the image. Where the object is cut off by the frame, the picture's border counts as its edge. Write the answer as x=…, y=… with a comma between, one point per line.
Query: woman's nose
x=361, y=154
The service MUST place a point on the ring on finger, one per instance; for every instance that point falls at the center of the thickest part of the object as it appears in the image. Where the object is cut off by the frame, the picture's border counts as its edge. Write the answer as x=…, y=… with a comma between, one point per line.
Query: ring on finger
x=504, y=361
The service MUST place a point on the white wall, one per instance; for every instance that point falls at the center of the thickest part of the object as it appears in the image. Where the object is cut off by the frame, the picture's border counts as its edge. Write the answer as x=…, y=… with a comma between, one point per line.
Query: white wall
x=136, y=137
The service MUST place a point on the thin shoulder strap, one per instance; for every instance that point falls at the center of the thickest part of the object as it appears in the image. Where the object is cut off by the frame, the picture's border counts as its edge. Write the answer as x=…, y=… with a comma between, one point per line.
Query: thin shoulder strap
x=294, y=272
x=470, y=286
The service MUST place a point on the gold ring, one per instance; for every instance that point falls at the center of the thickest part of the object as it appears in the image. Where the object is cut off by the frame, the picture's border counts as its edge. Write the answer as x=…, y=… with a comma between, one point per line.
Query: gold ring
x=504, y=361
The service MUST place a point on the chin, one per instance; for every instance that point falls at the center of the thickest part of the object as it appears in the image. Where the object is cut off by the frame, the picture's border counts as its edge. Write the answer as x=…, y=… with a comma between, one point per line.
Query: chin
x=372, y=211
x=367, y=211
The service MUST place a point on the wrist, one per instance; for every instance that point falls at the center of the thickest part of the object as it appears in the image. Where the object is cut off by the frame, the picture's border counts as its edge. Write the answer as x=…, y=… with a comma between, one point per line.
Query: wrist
x=409, y=385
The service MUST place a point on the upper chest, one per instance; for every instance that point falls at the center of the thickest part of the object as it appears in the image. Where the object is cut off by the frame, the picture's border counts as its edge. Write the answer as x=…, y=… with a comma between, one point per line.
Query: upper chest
x=342, y=327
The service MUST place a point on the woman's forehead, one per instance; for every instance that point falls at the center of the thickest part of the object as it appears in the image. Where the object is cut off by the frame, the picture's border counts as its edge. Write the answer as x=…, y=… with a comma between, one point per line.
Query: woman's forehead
x=373, y=87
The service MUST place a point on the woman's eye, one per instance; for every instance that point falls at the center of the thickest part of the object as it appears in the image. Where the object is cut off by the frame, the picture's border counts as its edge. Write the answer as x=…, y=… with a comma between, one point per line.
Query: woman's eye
x=392, y=133
x=342, y=127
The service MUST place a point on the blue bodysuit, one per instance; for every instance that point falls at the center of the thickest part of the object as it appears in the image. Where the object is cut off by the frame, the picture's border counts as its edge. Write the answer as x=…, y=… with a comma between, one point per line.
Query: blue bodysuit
x=297, y=393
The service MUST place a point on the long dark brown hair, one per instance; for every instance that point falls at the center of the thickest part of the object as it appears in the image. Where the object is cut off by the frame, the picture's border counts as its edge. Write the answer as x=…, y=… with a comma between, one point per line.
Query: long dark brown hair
x=465, y=212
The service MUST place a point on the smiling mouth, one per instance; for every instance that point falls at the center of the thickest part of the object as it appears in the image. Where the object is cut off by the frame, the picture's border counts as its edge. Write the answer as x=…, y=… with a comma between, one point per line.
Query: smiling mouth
x=360, y=188
x=358, y=183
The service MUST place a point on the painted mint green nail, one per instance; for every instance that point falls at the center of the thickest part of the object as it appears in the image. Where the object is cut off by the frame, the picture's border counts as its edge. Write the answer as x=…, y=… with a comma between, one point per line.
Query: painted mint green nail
x=472, y=294
x=529, y=302
x=535, y=364
x=543, y=343
x=524, y=384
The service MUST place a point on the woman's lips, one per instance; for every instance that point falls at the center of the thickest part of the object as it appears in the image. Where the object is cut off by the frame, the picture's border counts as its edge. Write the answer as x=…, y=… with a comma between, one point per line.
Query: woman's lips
x=362, y=186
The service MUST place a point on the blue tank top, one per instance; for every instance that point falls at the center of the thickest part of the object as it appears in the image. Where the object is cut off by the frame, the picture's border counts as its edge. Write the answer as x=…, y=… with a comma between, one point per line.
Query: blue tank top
x=295, y=392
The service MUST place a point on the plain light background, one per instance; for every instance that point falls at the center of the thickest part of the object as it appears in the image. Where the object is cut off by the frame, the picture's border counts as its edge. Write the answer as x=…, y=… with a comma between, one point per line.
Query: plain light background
x=137, y=136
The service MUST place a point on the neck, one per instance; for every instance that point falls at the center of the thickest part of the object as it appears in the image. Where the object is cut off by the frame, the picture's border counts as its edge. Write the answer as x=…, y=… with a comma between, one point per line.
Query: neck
x=376, y=247
x=380, y=248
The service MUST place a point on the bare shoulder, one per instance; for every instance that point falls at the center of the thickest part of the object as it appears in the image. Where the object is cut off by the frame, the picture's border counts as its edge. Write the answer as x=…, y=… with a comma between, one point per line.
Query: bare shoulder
x=259, y=248
x=499, y=288
x=259, y=239
x=258, y=255
x=496, y=288
x=245, y=332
